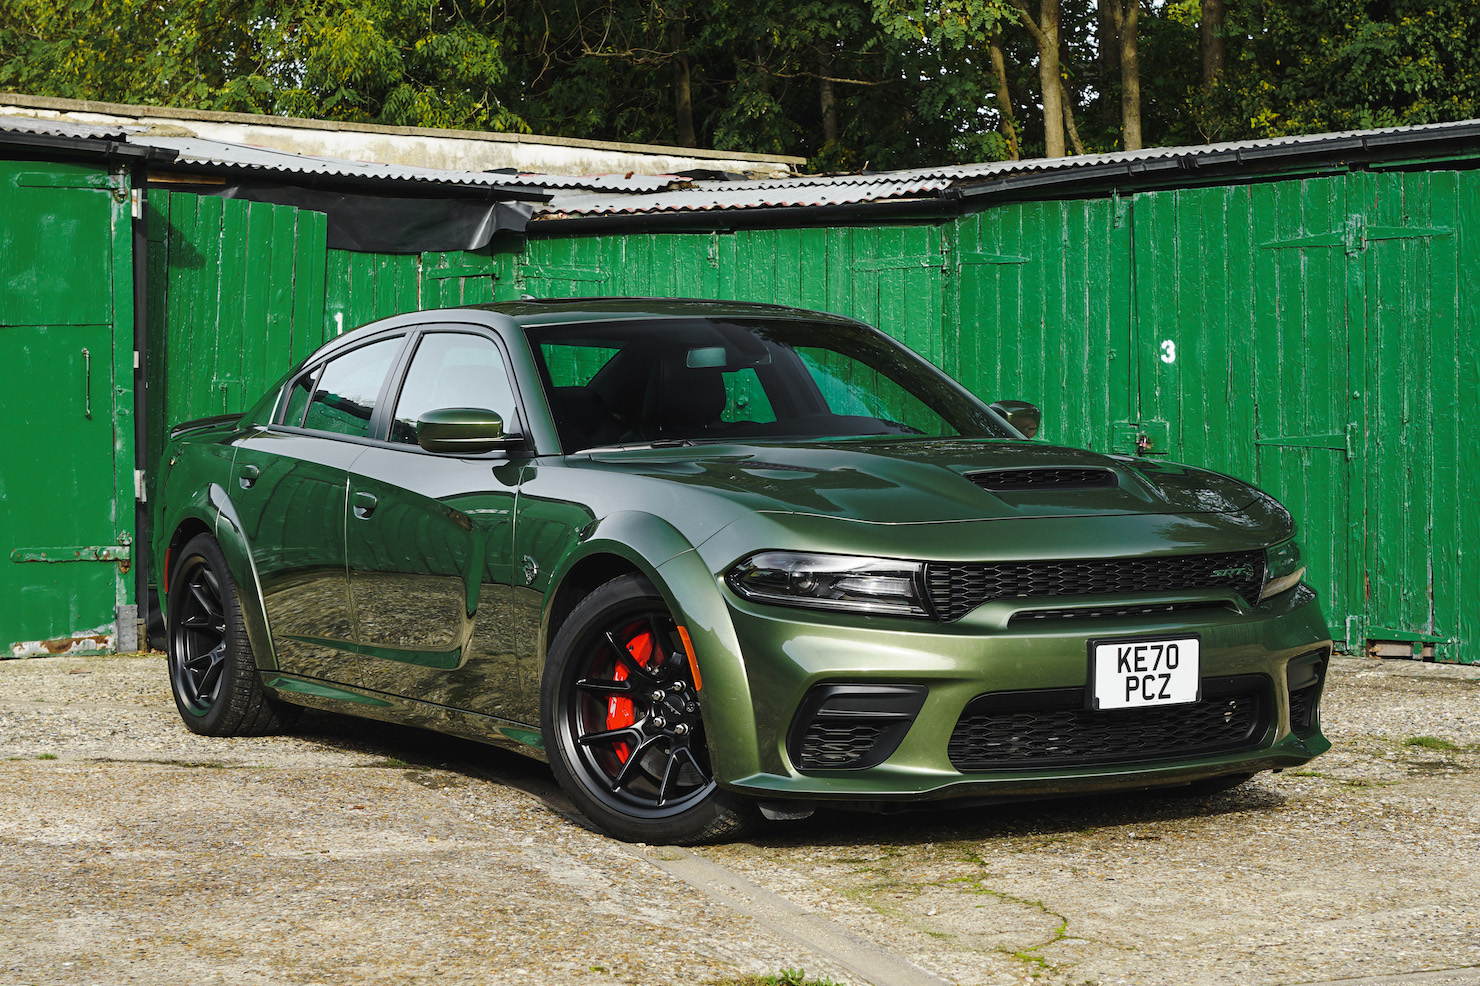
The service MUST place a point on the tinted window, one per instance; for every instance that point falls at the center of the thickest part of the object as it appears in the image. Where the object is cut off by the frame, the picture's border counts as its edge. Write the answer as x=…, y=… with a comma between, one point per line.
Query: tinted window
x=345, y=396
x=298, y=398
x=451, y=369
x=744, y=379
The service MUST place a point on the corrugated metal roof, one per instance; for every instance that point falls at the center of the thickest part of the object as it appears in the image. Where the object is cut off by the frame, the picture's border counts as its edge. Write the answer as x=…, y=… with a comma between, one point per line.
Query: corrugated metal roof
x=710, y=195
x=826, y=190
x=199, y=151
x=62, y=128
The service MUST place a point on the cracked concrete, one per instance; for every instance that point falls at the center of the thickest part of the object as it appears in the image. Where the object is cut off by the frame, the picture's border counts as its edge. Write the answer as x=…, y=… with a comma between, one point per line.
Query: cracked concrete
x=352, y=852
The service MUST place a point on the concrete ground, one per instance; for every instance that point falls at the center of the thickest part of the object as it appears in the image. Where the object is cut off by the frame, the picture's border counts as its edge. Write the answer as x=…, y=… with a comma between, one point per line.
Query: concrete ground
x=132, y=851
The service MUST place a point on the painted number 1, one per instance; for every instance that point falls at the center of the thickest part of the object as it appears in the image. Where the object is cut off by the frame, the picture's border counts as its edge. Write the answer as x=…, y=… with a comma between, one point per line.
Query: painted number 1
x=1169, y=352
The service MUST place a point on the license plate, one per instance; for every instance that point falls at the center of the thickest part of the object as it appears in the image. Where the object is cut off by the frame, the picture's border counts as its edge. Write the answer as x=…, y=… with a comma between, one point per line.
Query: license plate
x=1128, y=674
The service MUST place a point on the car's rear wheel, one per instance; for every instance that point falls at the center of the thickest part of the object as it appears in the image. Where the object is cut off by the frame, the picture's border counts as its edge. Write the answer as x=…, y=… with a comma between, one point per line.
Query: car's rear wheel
x=622, y=726
x=212, y=673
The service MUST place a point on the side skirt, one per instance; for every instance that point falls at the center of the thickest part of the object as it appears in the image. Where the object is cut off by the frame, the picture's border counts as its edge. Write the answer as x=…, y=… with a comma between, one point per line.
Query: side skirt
x=315, y=694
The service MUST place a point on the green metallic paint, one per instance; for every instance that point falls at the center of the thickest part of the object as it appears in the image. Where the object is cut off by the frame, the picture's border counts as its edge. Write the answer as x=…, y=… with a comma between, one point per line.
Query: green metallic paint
x=480, y=546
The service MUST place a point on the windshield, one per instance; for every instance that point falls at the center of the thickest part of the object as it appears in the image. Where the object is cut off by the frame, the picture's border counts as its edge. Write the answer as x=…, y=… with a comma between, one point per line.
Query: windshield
x=744, y=380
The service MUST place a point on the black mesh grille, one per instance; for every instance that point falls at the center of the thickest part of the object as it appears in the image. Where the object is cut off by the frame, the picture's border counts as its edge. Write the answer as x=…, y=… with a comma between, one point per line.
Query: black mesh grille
x=1051, y=728
x=956, y=588
x=1007, y=480
x=1302, y=706
x=1105, y=612
x=835, y=745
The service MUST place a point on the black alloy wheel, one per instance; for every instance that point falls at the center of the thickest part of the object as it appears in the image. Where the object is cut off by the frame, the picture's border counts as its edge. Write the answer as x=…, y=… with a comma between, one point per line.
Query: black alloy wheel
x=623, y=722
x=198, y=640
x=212, y=672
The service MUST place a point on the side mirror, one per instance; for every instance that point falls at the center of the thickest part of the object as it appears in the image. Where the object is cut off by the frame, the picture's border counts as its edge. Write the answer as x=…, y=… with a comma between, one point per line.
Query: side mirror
x=467, y=430
x=1023, y=416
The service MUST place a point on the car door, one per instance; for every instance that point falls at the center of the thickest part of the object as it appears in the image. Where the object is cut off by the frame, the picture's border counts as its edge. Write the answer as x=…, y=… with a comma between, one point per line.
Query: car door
x=288, y=486
x=429, y=538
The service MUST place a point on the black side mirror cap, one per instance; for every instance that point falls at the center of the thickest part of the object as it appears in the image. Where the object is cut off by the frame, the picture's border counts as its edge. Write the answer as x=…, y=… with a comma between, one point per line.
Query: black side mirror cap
x=464, y=430
x=1025, y=417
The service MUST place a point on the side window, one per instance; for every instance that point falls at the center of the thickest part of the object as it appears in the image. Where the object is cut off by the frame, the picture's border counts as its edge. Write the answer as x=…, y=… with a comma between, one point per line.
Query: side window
x=452, y=369
x=299, y=394
x=345, y=396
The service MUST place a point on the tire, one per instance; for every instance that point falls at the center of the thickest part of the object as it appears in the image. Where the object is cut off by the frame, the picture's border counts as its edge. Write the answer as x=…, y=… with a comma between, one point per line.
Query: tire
x=635, y=765
x=212, y=672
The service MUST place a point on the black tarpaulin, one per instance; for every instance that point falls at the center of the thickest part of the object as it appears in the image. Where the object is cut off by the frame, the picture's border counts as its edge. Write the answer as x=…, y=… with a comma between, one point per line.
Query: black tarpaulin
x=390, y=224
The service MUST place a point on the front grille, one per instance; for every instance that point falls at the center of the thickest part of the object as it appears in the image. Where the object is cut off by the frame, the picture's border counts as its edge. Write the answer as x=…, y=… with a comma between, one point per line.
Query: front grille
x=1106, y=612
x=956, y=588
x=1052, y=728
x=836, y=746
x=1010, y=480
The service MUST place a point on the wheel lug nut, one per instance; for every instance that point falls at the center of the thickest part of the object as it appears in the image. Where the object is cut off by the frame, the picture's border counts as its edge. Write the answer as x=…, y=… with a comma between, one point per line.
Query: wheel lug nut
x=682, y=729
x=658, y=695
x=659, y=721
x=677, y=686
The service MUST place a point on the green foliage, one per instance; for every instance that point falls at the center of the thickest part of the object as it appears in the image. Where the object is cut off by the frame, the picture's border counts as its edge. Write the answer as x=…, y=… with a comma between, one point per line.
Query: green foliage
x=382, y=61
x=1305, y=66
x=909, y=82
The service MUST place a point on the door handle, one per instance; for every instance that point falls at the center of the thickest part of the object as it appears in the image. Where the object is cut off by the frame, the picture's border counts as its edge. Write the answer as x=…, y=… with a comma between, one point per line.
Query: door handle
x=365, y=503
x=248, y=477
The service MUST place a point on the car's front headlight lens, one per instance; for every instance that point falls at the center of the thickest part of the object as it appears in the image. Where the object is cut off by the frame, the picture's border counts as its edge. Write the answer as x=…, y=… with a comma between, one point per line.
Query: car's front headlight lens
x=1283, y=569
x=884, y=586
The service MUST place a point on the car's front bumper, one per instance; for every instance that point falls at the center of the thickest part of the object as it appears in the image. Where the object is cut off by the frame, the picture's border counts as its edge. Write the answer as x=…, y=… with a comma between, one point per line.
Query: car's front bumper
x=788, y=652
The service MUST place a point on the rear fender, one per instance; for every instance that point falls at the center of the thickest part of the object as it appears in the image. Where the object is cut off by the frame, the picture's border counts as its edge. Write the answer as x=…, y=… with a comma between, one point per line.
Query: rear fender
x=233, y=541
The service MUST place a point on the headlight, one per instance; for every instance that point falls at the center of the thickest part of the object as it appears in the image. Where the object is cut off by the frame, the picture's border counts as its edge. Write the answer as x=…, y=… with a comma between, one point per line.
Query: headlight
x=861, y=585
x=1282, y=569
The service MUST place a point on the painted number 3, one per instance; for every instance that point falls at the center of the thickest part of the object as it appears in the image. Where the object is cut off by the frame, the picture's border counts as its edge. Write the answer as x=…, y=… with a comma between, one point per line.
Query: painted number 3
x=1169, y=352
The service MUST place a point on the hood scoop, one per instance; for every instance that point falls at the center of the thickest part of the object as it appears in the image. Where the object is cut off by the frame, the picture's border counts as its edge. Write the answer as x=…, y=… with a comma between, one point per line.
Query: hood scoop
x=1044, y=479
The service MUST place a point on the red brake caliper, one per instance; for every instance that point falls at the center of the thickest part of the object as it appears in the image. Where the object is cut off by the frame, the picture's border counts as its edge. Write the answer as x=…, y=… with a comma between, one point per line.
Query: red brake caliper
x=619, y=709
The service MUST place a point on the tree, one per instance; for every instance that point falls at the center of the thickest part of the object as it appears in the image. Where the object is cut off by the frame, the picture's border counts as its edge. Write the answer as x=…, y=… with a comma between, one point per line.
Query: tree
x=1122, y=21
x=1306, y=66
x=403, y=62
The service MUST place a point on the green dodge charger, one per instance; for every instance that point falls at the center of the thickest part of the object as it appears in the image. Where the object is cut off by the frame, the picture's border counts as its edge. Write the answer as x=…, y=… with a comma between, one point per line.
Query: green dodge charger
x=716, y=562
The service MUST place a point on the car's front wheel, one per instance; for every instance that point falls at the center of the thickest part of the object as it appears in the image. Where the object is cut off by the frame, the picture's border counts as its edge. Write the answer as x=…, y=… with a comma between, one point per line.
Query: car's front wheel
x=622, y=726
x=212, y=673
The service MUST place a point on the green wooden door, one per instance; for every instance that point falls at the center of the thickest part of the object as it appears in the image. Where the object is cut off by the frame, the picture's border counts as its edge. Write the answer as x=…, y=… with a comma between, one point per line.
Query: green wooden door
x=67, y=465
x=1403, y=252
x=236, y=298
x=1304, y=335
x=1040, y=302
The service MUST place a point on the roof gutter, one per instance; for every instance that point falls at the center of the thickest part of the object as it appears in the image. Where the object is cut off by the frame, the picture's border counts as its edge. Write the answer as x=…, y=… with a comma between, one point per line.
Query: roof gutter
x=89, y=147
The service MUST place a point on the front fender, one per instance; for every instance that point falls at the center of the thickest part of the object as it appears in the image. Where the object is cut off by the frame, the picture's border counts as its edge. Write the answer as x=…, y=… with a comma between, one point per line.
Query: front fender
x=665, y=557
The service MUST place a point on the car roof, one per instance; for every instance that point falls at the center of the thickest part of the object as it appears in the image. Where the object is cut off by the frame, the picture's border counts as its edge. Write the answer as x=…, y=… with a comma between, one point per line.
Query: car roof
x=560, y=311
x=574, y=311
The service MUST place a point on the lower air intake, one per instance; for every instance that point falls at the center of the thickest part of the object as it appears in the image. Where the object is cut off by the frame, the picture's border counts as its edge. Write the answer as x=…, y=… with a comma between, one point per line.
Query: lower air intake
x=1052, y=728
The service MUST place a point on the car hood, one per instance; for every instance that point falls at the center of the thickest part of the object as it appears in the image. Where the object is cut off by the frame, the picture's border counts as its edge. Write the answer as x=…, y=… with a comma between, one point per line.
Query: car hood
x=914, y=481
